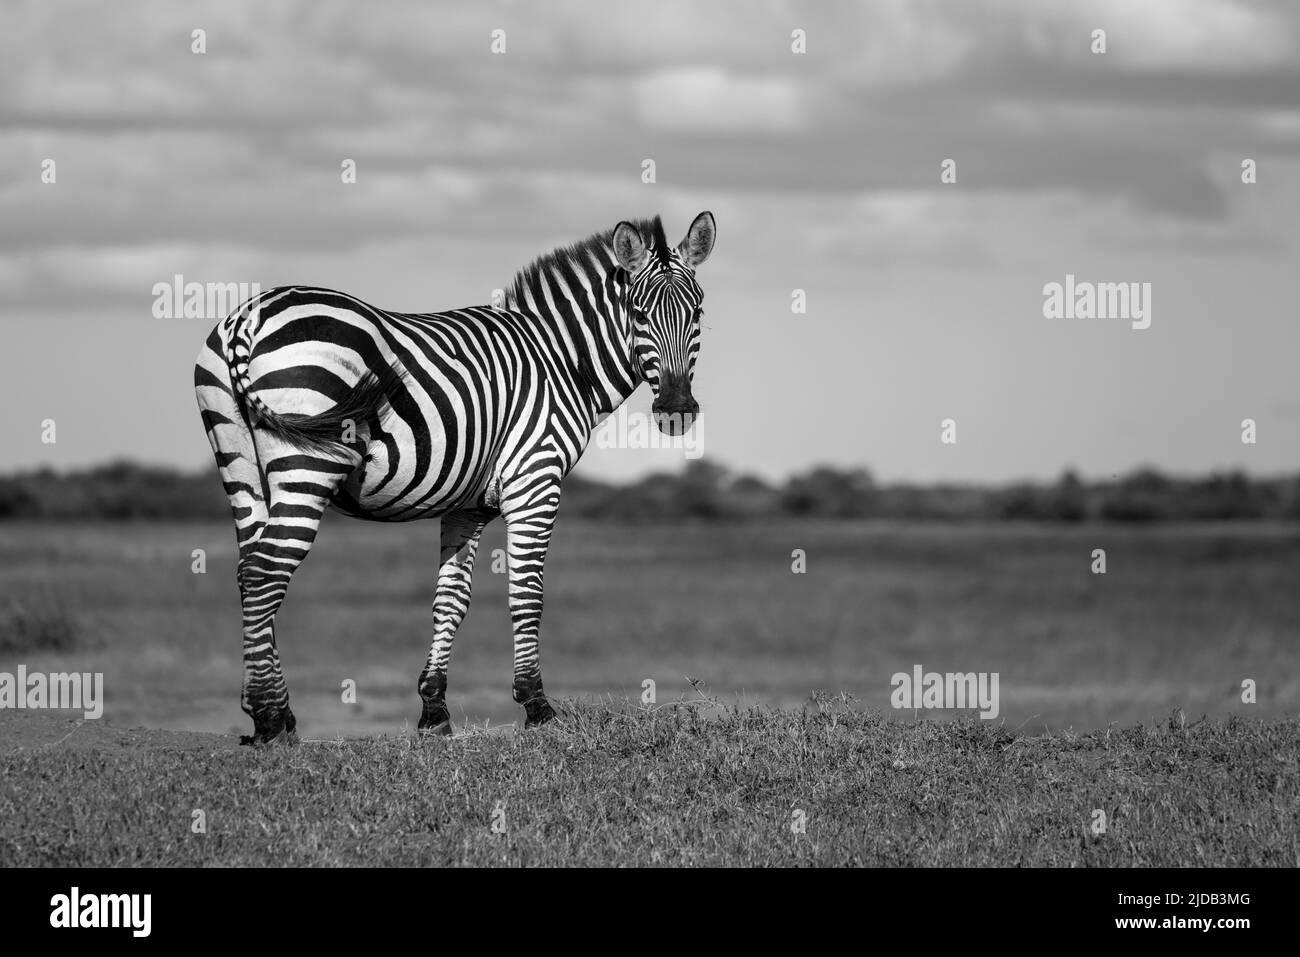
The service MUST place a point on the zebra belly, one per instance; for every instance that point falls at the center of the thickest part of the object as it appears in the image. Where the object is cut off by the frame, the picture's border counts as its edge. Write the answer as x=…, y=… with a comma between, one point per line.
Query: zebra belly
x=378, y=492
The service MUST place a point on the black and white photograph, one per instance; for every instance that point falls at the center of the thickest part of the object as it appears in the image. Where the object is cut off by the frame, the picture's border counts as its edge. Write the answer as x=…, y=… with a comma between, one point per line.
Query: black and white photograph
x=745, y=434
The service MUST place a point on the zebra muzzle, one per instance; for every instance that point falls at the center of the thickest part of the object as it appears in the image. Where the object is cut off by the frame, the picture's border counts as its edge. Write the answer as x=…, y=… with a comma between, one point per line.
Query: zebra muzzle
x=674, y=408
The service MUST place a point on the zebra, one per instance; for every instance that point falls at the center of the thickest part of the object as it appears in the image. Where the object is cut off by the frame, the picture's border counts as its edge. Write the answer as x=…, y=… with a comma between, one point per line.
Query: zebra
x=312, y=398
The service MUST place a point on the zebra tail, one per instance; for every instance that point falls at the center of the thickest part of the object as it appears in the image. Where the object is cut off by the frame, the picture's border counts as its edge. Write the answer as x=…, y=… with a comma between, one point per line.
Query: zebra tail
x=325, y=431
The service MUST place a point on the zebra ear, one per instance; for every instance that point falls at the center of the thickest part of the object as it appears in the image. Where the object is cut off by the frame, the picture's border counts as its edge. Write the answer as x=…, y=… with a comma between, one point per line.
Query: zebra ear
x=697, y=245
x=629, y=247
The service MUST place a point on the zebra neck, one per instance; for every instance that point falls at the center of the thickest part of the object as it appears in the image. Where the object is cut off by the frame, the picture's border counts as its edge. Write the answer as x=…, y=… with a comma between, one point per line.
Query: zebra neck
x=583, y=305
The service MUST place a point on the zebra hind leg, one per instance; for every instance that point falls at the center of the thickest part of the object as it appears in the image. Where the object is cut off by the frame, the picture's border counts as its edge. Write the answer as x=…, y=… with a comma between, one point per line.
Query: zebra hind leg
x=241, y=477
x=300, y=486
x=460, y=535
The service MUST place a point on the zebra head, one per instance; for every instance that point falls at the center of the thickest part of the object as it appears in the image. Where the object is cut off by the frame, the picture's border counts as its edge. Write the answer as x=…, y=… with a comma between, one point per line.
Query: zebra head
x=663, y=301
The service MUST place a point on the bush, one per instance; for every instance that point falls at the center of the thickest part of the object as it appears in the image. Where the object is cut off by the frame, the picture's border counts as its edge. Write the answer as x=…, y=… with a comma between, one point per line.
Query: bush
x=705, y=491
x=36, y=621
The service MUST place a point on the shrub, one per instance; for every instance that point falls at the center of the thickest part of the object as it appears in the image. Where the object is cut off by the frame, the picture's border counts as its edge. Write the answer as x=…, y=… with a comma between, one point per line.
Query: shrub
x=36, y=621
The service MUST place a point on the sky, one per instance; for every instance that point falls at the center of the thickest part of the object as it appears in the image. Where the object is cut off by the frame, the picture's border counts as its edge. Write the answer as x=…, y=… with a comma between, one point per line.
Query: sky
x=823, y=168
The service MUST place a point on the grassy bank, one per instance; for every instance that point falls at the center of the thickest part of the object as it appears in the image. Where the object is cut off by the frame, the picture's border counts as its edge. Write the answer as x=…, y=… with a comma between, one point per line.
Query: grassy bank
x=610, y=785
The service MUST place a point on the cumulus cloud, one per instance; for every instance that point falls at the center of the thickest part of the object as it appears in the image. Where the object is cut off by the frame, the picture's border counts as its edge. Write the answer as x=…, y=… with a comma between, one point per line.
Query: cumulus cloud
x=161, y=149
x=708, y=99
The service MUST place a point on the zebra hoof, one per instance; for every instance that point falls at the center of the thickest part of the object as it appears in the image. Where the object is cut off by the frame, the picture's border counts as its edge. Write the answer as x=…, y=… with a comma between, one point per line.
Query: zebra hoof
x=273, y=729
x=434, y=718
x=538, y=712
x=284, y=739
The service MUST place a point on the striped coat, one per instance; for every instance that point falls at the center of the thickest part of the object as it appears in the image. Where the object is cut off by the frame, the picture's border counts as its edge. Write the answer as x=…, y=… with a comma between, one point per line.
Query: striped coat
x=312, y=398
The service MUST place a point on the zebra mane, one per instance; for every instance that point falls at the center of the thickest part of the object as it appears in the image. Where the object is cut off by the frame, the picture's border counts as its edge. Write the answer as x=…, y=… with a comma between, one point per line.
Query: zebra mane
x=598, y=246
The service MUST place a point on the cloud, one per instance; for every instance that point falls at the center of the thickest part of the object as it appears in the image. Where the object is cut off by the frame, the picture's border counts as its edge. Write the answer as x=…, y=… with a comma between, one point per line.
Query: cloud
x=1189, y=36
x=160, y=149
x=710, y=100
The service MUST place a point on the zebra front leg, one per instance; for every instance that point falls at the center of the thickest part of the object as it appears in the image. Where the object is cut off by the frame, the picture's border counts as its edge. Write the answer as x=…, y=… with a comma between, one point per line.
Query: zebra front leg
x=460, y=537
x=528, y=533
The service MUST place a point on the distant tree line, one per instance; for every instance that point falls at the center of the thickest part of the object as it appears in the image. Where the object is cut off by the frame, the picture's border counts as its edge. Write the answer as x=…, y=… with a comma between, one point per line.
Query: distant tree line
x=708, y=492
